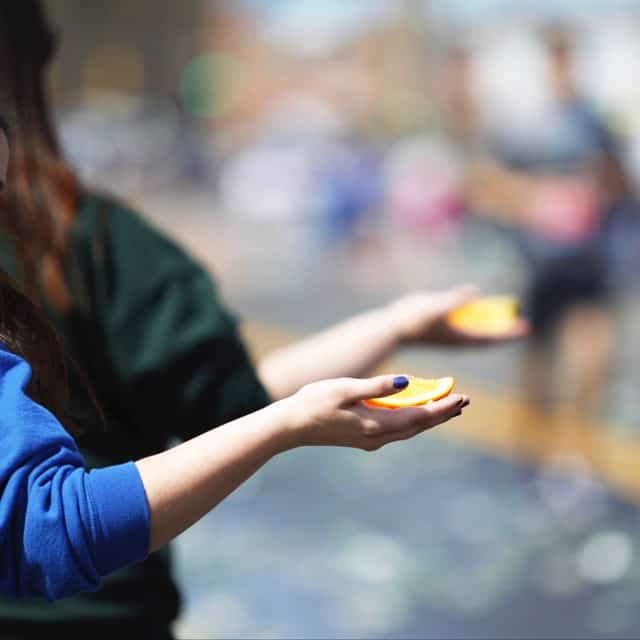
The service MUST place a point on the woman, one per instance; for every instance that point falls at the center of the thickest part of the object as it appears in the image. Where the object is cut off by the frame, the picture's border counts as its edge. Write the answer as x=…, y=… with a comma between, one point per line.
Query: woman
x=147, y=329
x=62, y=528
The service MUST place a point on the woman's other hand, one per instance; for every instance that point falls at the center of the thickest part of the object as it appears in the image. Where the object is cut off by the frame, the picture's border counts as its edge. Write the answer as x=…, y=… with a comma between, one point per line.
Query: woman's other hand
x=422, y=318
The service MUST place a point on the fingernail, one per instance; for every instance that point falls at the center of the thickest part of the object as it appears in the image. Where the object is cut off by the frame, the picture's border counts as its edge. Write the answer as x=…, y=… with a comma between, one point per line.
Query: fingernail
x=400, y=382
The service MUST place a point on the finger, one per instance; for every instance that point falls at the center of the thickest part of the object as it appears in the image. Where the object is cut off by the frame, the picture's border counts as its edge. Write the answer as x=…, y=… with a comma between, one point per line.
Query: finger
x=354, y=389
x=406, y=434
x=433, y=422
x=424, y=416
x=447, y=301
x=520, y=328
x=436, y=412
x=460, y=295
x=442, y=415
x=430, y=411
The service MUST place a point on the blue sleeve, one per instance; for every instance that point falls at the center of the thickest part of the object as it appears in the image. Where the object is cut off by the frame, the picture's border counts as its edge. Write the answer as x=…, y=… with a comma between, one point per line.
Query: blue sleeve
x=61, y=528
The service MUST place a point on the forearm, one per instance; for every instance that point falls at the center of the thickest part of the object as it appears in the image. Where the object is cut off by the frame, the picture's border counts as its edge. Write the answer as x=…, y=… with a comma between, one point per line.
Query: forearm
x=498, y=192
x=184, y=483
x=351, y=348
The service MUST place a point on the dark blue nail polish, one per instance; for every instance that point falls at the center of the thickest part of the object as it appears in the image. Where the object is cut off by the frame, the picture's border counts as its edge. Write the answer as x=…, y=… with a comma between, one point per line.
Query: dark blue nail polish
x=400, y=382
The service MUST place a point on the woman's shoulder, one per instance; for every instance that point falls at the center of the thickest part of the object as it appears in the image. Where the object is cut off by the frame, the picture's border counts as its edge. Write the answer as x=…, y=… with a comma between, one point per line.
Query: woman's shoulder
x=113, y=241
x=111, y=226
x=97, y=208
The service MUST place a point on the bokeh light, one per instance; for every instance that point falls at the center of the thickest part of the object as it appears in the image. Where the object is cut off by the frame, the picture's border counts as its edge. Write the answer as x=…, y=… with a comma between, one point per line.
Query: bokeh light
x=211, y=84
x=114, y=67
x=605, y=557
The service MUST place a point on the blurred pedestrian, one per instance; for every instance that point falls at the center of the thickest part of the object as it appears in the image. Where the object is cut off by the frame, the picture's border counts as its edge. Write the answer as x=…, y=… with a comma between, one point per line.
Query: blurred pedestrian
x=564, y=187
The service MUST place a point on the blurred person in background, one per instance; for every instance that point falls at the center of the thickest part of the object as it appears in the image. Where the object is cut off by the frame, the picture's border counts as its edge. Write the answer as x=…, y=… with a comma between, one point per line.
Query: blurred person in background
x=563, y=185
x=148, y=331
x=349, y=181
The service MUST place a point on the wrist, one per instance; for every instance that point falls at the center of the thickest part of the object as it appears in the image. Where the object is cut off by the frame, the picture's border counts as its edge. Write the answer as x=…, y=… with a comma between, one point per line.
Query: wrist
x=284, y=425
x=396, y=321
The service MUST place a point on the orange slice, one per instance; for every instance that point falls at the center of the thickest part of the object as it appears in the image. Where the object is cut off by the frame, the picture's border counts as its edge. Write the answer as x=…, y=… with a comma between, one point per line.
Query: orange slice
x=492, y=315
x=418, y=391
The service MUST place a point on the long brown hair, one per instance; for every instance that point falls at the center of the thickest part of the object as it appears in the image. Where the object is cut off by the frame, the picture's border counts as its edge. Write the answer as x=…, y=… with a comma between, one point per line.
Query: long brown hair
x=25, y=331
x=42, y=190
x=36, y=207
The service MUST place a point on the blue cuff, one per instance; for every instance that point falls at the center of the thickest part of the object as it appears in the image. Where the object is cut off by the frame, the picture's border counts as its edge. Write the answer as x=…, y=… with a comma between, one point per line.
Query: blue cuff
x=122, y=513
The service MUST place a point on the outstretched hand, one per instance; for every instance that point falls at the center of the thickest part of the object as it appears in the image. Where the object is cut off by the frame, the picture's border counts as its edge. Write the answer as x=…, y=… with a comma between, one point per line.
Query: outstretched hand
x=422, y=317
x=331, y=412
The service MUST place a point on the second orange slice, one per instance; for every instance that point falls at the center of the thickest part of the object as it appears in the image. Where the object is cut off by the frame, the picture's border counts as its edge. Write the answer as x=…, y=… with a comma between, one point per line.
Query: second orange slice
x=418, y=391
x=491, y=315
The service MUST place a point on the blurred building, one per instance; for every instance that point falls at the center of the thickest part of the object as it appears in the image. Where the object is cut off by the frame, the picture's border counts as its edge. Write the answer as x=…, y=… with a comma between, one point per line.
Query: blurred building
x=129, y=46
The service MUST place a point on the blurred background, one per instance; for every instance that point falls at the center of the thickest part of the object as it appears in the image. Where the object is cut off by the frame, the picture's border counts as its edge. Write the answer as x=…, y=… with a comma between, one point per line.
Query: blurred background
x=324, y=156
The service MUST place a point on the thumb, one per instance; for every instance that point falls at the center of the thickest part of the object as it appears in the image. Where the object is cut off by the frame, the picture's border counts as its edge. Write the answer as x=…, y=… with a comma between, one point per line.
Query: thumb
x=365, y=389
x=463, y=293
x=456, y=297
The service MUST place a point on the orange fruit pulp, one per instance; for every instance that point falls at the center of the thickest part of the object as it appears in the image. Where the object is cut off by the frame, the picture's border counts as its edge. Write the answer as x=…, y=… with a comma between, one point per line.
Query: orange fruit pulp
x=418, y=391
x=489, y=315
